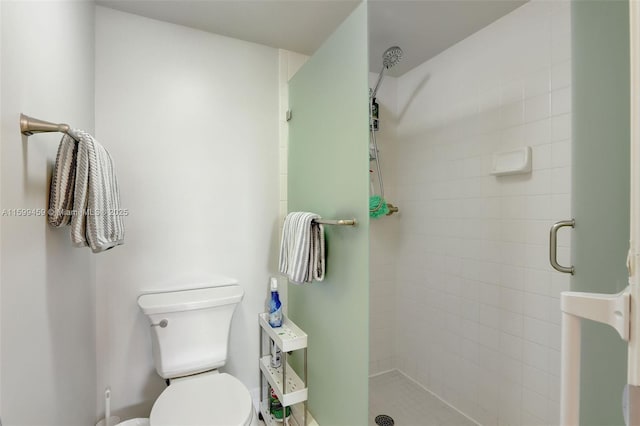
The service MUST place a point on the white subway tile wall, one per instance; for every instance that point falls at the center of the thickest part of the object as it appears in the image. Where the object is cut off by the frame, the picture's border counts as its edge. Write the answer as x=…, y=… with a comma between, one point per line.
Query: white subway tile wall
x=466, y=260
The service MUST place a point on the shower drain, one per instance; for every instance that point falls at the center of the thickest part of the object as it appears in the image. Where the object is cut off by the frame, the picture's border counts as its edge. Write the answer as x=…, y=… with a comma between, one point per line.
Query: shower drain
x=384, y=420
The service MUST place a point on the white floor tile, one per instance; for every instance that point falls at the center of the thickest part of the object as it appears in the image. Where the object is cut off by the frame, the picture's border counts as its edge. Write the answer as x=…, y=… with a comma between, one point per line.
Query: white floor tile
x=408, y=404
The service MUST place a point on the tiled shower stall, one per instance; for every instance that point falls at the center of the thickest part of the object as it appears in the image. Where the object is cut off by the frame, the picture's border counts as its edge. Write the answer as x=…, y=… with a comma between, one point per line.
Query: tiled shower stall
x=463, y=300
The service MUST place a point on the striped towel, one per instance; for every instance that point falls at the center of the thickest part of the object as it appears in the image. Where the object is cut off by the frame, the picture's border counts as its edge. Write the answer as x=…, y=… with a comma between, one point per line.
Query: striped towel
x=84, y=192
x=302, y=257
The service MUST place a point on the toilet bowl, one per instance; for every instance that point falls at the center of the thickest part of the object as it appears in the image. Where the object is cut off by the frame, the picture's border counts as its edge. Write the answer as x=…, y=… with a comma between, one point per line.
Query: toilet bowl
x=189, y=334
x=209, y=399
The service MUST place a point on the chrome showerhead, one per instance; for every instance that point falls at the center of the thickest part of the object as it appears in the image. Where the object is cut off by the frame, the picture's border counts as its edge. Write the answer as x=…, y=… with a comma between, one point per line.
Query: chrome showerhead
x=391, y=56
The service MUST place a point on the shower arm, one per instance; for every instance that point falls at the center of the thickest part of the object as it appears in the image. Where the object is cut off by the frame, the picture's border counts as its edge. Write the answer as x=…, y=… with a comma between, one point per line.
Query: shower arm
x=375, y=90
x=372, y=134
x=390, y=57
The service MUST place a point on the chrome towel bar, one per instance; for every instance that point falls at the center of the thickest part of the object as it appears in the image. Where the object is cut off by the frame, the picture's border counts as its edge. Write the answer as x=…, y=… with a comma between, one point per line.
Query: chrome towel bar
x=30, y=125
x=346, y=222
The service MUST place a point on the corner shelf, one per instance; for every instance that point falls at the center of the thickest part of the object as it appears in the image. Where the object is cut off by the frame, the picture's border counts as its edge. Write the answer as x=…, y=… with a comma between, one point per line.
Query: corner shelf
x=288, y=386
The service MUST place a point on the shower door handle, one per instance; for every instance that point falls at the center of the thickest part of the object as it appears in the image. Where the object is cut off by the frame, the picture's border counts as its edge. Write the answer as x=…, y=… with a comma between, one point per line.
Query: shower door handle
x=553, y=246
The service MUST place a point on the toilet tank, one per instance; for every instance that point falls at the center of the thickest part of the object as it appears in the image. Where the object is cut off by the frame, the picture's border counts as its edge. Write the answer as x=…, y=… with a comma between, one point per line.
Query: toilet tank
x=190, y=328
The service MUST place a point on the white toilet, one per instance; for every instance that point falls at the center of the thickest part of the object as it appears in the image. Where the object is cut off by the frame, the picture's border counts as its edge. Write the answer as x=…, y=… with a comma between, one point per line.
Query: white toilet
x=190, y=334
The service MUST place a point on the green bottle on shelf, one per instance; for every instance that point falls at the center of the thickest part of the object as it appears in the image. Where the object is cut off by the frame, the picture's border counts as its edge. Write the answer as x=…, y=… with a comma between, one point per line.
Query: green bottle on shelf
x=275, y=407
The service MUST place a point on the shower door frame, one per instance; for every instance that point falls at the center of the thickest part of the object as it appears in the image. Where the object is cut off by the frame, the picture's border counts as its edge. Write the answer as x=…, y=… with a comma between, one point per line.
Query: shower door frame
x=633, y=262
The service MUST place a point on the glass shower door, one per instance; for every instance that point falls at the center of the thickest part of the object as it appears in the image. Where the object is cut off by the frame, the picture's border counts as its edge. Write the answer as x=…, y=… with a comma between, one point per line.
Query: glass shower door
x=600, y=194
x=328, y=174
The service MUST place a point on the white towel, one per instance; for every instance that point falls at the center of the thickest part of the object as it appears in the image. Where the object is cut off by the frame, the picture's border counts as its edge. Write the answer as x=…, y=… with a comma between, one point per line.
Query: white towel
x=63, y=183
x=302, y=254
x=84, y=191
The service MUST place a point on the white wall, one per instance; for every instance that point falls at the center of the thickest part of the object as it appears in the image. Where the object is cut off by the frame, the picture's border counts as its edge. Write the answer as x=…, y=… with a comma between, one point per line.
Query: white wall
x=477, y=303
x=191, y=120
x=47, y=287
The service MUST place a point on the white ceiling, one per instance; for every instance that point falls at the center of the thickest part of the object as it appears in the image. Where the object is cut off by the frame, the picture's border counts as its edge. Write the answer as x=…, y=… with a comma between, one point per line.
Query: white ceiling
x=423, y=28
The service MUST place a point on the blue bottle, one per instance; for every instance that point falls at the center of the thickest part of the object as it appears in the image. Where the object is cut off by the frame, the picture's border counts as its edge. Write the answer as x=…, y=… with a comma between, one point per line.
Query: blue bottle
x=275, y=307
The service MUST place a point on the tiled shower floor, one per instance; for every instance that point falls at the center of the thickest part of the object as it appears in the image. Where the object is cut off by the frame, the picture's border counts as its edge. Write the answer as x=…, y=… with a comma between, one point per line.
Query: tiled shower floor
x=395, y=395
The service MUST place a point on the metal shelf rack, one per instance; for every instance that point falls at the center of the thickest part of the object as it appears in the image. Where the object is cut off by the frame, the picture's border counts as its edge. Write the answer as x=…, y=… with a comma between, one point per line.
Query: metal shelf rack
x=288, y=386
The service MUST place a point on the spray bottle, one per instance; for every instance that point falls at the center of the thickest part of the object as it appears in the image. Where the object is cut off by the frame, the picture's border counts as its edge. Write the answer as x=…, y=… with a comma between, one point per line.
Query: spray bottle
x=275, y=307
x=275, y=320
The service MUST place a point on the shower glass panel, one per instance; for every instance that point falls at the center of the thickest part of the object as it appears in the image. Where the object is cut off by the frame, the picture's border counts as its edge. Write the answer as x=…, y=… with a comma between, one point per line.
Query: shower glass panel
x=328, y=174
x=600, y=196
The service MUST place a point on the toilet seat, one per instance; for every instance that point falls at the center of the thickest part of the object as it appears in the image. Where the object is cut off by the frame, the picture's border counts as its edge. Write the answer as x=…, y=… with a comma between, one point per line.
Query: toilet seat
x=204, y=399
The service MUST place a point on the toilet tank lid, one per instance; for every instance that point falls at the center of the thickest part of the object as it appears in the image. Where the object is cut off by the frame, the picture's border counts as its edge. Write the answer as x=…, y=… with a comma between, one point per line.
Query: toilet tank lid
x=187, y=300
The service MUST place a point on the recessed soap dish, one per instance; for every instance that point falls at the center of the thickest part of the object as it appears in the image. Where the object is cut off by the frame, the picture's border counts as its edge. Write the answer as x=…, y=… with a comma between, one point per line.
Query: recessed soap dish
x=512, y=162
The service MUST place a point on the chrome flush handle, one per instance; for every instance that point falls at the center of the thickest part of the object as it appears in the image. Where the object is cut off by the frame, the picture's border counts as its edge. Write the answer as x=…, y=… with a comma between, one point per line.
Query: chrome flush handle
x=162, y=324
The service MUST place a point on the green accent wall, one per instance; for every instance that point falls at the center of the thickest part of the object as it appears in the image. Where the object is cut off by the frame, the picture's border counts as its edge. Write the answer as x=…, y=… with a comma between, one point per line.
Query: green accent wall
x=600, y=36
x=328, y=174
